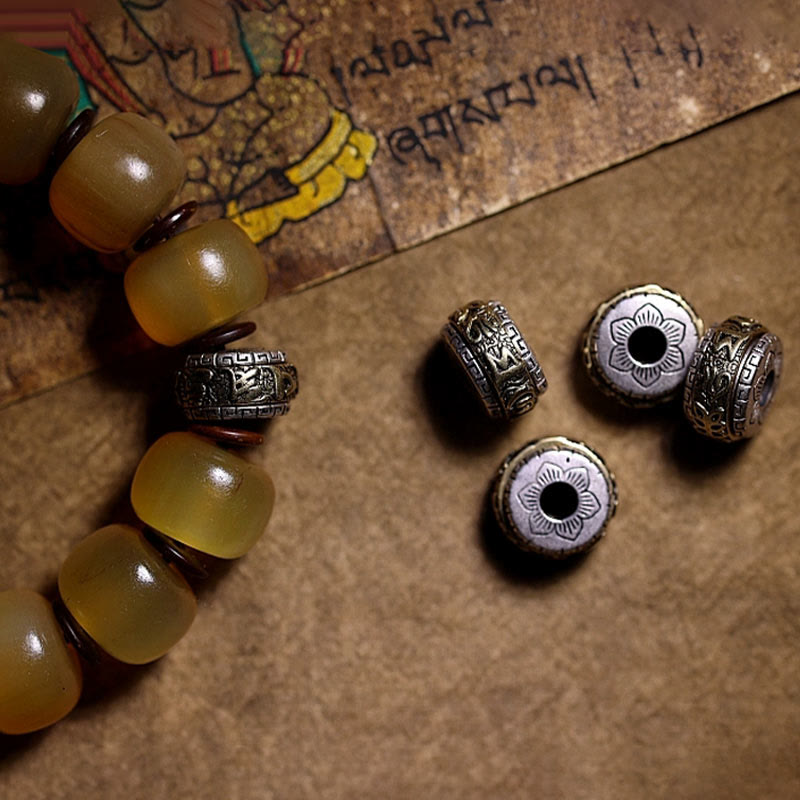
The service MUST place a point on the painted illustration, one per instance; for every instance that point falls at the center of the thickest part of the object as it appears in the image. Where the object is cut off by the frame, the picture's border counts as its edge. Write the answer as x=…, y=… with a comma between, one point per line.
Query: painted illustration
x=264, y=144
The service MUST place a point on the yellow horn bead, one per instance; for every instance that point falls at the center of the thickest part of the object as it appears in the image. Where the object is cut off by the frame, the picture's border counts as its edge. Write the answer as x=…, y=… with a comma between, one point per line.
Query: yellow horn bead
x=40, y=675
x=202, y=495
x=122, y=175
x=38, y=93
x=195, y=281
x=126, y=597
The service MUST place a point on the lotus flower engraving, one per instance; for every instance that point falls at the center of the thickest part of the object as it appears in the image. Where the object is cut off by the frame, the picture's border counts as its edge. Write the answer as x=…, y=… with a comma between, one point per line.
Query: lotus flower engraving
x=571, y=526
x=672, y=360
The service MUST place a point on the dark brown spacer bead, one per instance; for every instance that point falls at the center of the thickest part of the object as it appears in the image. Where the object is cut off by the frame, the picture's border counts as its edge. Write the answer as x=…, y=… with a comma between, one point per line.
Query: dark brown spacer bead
x=75, y=634
x=234, y=436
x=165, y=227
x=186, y=558
x=217, y=338
x=72, y=134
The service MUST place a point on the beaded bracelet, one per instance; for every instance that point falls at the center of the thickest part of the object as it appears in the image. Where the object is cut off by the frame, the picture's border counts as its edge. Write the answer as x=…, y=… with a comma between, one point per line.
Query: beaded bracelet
x=121, y=589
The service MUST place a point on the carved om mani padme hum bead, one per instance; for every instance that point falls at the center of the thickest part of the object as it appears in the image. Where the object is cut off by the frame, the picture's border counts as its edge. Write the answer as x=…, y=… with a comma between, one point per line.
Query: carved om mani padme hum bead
x=638, y=345
x=501, y=366
x=235, y=384
x=554, y=497
x=38, y=93
x=40, y=675
x=732, y=379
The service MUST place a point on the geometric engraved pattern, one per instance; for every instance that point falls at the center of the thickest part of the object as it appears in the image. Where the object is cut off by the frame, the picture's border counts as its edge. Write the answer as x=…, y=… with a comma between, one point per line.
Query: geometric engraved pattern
x=462, y=352
x=496, y=357
x=727, y=376
x=235, y=384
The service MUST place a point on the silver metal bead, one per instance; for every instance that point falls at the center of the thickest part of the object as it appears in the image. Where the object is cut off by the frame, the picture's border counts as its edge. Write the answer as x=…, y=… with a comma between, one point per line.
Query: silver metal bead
x=638, y=345
x=732, y=379
x=500, y=364
x=235, y=384
x=554, y=497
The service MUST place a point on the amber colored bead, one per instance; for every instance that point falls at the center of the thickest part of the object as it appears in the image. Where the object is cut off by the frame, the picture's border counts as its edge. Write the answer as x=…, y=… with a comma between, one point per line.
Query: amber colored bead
x=118, y=179
x=126, y=597
x=196, y=281
x=202, y=495
x=38, y=93
x=40, y=675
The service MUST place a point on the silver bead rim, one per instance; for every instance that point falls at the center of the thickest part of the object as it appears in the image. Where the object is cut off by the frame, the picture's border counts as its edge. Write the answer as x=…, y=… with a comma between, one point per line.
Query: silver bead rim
x=500, y=364
x=733, y=379
x=235, y=385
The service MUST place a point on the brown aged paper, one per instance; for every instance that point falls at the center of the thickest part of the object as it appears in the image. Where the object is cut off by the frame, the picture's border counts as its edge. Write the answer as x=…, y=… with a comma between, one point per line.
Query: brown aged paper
x=336, y=133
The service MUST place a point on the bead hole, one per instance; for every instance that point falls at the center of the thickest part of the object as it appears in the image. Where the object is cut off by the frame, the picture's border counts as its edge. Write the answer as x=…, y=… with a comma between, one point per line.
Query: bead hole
x=647, y=345
x=558, y=500
x=768, y=389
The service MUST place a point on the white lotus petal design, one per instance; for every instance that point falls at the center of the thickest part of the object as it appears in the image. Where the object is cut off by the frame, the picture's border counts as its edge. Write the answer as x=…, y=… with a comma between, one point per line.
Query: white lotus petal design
x=620, y=358
x=570, y=527
x=646, y=376
x=622, y=328
x=647, y=316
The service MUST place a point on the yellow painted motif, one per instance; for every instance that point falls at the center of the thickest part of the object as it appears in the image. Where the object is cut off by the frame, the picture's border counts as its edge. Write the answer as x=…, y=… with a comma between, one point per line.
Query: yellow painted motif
x=345, y=153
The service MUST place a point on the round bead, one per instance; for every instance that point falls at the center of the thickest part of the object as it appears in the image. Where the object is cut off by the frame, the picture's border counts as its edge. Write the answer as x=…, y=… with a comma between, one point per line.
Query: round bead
x=40, y=675
x=125, y=596
x=117, y=180
x=638, y=345
x=235, y=384
x=204, y=496
x=196, y=281
x=732, y=379
x=554, y=497
x=38, y=93
x=498, y=361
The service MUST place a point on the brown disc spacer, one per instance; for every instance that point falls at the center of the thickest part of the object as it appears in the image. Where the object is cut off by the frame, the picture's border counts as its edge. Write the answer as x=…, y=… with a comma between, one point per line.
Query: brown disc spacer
x=234, y=436
x=217, y=338
x=71, y=135
x=75, y=634
x=165, y=227
x=186, y=558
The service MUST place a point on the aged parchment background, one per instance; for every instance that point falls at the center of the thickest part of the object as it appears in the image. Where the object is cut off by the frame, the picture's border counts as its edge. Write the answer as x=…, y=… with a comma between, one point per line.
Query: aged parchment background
x=380, y=641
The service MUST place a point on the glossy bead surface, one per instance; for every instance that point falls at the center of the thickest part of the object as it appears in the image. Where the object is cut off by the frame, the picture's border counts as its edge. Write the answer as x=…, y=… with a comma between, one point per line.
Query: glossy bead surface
x=196, y=281
x=40, y=675
x=202, y=495
x=121, y=591
x=38, y=93
x=118, y=179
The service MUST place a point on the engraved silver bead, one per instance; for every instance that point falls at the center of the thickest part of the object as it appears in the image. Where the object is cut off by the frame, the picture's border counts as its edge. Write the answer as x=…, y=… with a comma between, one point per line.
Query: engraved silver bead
x=638, y=345
x=732, y=379
x=554, y=497
x=499, y=362
x=235, y=385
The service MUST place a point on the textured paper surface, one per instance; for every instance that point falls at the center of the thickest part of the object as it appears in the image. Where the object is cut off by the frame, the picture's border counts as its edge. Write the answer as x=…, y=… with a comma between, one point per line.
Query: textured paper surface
x=336, y=133
x=379, y=641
